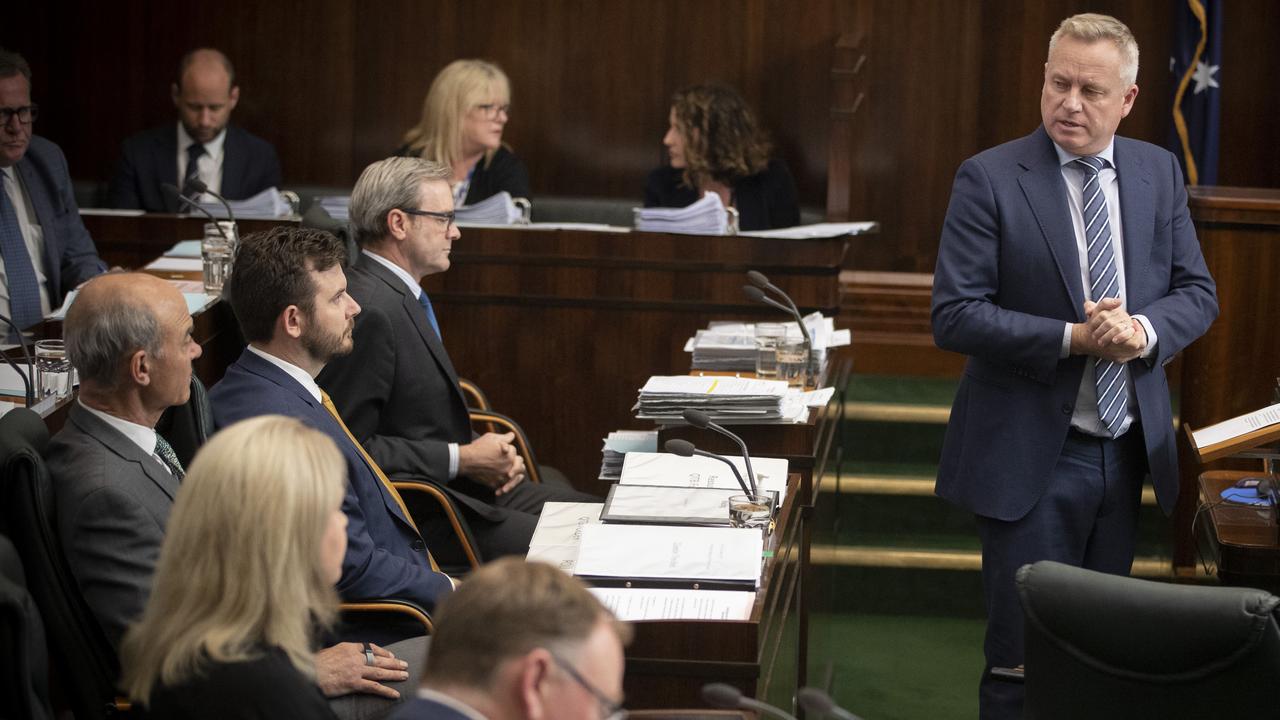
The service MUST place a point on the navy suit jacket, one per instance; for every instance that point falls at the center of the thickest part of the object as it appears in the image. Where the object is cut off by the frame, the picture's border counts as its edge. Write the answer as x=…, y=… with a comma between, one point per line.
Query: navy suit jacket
x=150, y=159
x=418, y=708
x=69, y=255
x=386, y=558
x=1008, y=278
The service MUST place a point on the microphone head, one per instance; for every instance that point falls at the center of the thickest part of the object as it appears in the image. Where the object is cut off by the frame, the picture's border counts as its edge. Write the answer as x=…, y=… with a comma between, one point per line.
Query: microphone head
x=754, y=293
x=758, y=279
x=815, y=701
x=721, y=695
x=170, y=189
x=197, y=185
x=697, y=418
x=683, y=448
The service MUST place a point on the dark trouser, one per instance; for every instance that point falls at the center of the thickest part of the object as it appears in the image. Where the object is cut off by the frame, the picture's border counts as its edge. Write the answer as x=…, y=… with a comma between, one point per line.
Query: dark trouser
x=1087, y=517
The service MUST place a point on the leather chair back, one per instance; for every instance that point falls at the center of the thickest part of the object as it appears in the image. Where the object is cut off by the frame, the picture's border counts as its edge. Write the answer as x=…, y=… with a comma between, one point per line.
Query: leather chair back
x=187, y=426
x=24, y=660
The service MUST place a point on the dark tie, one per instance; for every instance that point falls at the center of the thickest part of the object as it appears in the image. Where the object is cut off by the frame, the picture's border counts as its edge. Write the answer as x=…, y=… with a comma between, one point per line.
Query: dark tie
x=1110, y=378
x=194, y=151
x=425, y=302
x=24, y=287
x=165, y=452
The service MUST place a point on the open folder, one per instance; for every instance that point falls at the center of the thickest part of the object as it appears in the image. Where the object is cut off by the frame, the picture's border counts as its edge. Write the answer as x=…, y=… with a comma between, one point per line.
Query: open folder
x=668, y=556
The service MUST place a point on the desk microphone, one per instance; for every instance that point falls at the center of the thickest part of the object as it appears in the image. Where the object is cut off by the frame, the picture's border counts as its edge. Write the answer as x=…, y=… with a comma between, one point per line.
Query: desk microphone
x=22, y=340
x=702, y=421
x=755, y=291
x=729, y=697
x=173, y=189
x=820, y=704
x=684, y=448
x=198, y=185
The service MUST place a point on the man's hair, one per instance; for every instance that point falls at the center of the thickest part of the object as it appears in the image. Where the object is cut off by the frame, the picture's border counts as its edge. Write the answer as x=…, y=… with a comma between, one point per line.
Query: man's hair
x=101, y=337
x=190, y=58
x=1092, y=27
x=272, y=271
x=456, y=89
x=504, y=610
x=11, y=63
x=722, y=140
x=385, y=185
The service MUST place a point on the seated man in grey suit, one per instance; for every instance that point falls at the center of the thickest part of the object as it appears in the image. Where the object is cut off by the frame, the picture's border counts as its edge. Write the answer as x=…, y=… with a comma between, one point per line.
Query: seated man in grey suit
x=129, y=337
x=397, y=390
x=44, y=248
x=520, y=641
x=204, y=145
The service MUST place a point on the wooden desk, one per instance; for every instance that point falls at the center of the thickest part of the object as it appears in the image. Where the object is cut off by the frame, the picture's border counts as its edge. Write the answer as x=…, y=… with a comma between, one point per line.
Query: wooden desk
x=1241, y=542
x=131, y=241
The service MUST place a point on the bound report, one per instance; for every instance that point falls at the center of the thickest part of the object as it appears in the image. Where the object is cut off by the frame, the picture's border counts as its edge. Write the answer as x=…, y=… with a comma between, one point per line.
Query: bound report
x=642, y=468
x=665, y=505
x=673, y=557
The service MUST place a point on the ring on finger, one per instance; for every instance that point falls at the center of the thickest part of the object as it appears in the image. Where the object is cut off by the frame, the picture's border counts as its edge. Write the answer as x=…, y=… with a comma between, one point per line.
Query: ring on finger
x=368, y=655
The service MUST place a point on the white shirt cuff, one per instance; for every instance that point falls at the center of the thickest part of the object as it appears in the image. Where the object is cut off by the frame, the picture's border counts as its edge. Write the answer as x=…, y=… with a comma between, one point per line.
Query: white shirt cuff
x=1066, y=342
x=453, y=460
x=1150, y=349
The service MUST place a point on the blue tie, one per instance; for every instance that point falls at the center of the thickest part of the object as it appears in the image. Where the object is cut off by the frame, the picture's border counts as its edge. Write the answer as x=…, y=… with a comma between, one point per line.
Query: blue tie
x=1110, y=378
x=24, y=287
x=425, y=302
x=194, y=151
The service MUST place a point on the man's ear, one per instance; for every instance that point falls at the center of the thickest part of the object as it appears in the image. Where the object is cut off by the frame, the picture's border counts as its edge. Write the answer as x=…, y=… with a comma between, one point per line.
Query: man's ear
x=139, y=367
x=175, y=93
x=397, y=224
x=291, y=323
x=534, y=671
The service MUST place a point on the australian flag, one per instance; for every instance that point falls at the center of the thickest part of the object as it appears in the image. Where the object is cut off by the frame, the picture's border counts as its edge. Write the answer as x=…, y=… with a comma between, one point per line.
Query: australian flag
x=1196, y=64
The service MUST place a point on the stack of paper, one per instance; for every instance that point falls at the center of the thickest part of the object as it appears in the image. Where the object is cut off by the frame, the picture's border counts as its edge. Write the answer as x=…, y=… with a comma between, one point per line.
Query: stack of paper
x=817, y=230
x=621, y=442
x=558, y=535
x=727, y=399
x=267, y=204
x=338, y=206
x=637, y=604
x=644, y=468
x=730, y=346
x=704, y=217
x=500, y=209
x=670, y=556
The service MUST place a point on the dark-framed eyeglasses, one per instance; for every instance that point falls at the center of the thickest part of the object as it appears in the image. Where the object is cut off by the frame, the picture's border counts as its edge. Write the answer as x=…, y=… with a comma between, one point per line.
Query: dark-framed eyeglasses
x=491, y=110
x=609, y=709
x=446, y=218
x=25, y=114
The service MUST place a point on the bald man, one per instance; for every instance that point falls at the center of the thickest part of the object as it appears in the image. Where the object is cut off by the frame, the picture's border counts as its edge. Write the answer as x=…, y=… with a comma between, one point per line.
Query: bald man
x=204, y=145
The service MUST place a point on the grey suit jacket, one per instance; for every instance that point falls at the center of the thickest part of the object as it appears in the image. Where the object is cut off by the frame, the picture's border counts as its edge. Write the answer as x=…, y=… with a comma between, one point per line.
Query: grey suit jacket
x=112, y=501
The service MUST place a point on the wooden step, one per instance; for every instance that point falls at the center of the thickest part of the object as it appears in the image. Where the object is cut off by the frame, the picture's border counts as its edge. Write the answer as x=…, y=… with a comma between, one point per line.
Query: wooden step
x=910, y=485
x=1154, y=568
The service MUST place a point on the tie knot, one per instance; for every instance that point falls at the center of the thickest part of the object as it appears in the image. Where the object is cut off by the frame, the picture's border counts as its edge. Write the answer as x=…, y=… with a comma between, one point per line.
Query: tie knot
x=1092, y=164
x=195, y=150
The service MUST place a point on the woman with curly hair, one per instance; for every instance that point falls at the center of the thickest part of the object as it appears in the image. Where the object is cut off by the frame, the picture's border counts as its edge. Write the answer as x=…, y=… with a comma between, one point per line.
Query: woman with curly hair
x=463, y=116
x=715, y=145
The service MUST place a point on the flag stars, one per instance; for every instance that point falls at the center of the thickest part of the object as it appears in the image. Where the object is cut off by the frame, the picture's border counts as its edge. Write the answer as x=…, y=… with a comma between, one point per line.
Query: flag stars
x=1204, y=77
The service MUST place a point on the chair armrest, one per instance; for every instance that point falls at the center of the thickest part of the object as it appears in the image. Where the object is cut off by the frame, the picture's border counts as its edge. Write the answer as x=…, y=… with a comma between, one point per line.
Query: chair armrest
x=402, y=608
x=460, y=529
x=1009, y=674
x=494, y=419
x=476, y=399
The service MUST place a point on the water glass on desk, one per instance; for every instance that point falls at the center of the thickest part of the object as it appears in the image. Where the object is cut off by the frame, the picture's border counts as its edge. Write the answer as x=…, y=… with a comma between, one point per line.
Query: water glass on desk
x=750, y=511
x=793, y=361
x=54, y=374
x=217, y=249
x=768, y=335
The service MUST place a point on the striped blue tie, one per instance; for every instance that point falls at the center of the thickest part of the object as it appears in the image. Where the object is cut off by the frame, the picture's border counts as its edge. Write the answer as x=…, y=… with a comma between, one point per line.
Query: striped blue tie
x=20, y=275
x=425, y=302
x=1110, y=378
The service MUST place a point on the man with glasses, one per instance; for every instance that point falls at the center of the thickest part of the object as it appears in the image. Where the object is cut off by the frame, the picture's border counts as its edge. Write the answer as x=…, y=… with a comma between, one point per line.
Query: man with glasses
x=44, y=248
x=398, y=390
x=519, y=641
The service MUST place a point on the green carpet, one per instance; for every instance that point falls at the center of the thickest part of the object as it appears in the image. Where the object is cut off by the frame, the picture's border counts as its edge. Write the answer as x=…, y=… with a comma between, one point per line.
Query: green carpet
x=889, y=667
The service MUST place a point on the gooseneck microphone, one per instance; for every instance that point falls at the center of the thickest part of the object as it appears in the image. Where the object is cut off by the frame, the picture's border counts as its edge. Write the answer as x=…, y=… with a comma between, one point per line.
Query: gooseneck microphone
x=198, y=185
x=760, y=283
x=820, y=704
x=729, y=697
x=702, y=421
x=684, y=448
x=30, y=396
x=171, y=188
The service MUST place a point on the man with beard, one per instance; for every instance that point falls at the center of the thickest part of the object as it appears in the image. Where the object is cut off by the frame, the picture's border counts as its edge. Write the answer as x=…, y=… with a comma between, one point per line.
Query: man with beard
x=289, y=294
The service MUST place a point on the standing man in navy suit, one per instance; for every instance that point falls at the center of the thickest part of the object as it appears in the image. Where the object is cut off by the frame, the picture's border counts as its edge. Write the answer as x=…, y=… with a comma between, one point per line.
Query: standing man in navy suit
x=204, y=145
x=289, y=294
x=1070, y=274
x=44, y=247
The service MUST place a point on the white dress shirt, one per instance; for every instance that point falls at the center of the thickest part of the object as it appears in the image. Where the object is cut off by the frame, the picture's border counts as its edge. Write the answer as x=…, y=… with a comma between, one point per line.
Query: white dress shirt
x=32, y=236
x=141, y=435
x=209, y=165
x=1085, y=416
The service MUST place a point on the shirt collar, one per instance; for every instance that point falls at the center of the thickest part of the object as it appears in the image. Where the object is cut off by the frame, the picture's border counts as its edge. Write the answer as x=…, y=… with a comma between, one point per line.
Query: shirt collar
x=141, y=435
x=1108, y=154
x=400, y=272
x=213, y=148
x=304, y=378
x=447, y=701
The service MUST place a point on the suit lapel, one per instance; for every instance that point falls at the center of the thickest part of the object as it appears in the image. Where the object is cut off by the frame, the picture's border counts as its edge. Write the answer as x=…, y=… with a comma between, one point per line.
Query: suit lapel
x=1046, y=193
x=43, y=207
x=128, y=450
x=234, y=164
x=1137, y=214
x=166, y=164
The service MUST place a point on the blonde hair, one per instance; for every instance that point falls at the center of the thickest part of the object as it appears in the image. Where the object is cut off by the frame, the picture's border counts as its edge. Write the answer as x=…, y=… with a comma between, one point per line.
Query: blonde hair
x=1092, y=27
x=240, y=564
x=458, y=88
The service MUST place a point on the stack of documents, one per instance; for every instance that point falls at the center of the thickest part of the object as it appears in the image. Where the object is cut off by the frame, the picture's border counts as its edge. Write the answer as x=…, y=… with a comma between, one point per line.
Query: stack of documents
x=666, y=505
x=730, y=346
x=267, y=204
x=725, y=399
x=500, y=209
x=817, y=230
x=621, y=442
x=558, y=535
x=637, y=604
x=649, y=469
x=338, y=206
x=667, y=556
x=704, y=217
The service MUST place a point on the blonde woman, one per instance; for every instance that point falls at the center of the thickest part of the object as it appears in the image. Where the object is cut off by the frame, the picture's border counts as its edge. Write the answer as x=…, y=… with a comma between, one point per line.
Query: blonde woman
x=246, y=574
x=463, y=117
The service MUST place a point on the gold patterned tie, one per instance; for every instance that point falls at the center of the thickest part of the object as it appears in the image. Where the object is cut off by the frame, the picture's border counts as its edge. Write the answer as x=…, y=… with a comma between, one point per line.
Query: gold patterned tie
x=333, y=410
